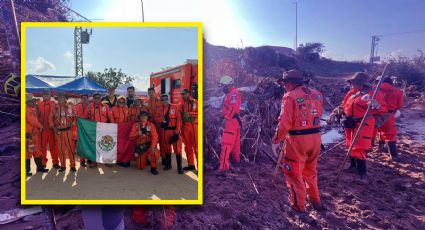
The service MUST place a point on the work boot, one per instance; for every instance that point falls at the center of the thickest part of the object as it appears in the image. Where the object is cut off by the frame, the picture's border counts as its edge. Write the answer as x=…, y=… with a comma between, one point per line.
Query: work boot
x=382, y=147
x=189, y=168
x=56, y=166
x=40, y=167
x=179, y=164
x=361, y=166
x=28, y=167
x=167, y=162
x=154, y=171
x=392, y=147
x=353, y=166
x=62, y=169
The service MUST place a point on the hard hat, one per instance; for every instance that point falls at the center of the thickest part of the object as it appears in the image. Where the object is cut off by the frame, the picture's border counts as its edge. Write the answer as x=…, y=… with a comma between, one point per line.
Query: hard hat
x=360, y=78
x=226, y=80
x=293, y=76
x=29, y=97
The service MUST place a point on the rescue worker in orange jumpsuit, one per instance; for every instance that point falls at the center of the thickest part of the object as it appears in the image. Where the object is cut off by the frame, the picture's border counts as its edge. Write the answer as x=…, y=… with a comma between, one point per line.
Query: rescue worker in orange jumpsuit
x=154, y=106
x=230, y=140
x=62, y=119
x=136, y=108
x=48, y=139
x=32, y=135
x=353, y=108
x=120, y=111
x=394, y=101
x=189, y=111
x=99, y=112
x=299, y=128
x=82, y=111
x=146, y=137
x=171, y=125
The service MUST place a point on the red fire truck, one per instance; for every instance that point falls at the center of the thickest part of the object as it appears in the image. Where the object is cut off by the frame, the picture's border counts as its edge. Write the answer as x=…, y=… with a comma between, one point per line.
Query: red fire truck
x=171, y=81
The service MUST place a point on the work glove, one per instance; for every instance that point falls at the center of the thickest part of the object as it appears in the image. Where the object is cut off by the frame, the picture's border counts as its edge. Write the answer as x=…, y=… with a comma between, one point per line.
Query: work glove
x=375, y=104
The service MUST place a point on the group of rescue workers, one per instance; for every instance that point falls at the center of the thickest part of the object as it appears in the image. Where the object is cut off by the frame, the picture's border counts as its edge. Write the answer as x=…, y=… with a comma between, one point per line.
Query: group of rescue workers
x=299, y=128
x=51, y=124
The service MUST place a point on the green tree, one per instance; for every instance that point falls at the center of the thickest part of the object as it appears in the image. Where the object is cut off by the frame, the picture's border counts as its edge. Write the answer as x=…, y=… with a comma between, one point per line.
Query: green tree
x=110, y=78
x=310, y=51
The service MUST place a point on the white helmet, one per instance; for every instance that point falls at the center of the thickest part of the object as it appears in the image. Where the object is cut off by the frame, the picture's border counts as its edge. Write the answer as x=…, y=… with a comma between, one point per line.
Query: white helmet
x=226, y=80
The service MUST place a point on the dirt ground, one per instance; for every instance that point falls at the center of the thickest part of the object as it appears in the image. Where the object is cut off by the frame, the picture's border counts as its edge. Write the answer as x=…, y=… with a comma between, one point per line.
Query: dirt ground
x=111, y=183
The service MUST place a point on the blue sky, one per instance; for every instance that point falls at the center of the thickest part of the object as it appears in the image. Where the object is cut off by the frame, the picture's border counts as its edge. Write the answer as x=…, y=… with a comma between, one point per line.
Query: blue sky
x=344, y=26
x=137, y=51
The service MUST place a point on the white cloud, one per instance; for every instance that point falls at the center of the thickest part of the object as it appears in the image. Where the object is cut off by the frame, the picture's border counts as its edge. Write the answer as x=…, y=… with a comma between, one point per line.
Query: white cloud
x=40, y=65
x=141, y=82
x=68, y=54
x=87, y=65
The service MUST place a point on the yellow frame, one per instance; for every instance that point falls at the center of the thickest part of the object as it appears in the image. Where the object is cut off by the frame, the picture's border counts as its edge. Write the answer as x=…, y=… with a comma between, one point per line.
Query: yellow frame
x=198, y=25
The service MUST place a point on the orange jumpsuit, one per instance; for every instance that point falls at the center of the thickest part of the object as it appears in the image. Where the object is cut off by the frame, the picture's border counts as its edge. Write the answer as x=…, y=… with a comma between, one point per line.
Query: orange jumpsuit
x=394, y=100
x=47, y=136
x=355, y=105
x=190, y=129
x=154, y=106
x=299, y=117
x=100, y=113
x=83, y=112
x=141, y=138
x=33, y=145
x=134, y=112
x=174, y=127
x=120, y=114
x=230, y=140
x=63, y=119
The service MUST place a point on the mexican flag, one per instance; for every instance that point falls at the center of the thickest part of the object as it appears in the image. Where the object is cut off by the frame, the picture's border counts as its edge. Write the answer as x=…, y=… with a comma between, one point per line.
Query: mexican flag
x=104, y=142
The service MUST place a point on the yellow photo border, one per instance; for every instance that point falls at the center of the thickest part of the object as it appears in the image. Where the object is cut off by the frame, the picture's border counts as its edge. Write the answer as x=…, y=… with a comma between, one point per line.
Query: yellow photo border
x=198, y=25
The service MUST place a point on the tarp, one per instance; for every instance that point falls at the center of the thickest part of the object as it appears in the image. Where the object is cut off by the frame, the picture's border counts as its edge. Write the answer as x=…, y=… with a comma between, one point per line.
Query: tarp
x=35, y=85
x=81, y=85
x=122, y=90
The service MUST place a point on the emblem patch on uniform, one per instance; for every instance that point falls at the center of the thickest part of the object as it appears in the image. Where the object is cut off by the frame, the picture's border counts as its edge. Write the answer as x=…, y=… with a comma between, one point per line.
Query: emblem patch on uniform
x=300, y=100
x=233, y=99
x=172, y=111
x=303, y=123
x=288, y=167
x=104, y=109
x=314, y=112
x=319, y=97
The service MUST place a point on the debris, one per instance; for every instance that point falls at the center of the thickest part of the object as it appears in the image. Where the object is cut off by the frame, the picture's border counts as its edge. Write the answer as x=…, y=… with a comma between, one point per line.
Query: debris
x=16, y=214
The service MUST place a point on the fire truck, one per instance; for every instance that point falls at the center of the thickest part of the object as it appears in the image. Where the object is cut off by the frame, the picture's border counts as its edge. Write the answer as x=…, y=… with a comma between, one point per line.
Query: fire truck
x=172, y=80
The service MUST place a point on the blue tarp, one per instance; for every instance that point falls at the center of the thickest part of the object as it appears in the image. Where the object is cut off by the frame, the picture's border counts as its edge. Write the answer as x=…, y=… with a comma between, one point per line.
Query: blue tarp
x=35, y=85
x=81, y=85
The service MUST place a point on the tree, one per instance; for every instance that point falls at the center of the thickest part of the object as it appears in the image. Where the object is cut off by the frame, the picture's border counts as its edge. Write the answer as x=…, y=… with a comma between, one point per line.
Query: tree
x=110, y=78
x=311, y=51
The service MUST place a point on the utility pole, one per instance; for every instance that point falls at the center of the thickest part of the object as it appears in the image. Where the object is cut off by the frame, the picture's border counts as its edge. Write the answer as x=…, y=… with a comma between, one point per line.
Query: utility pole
x=143, y=13
x=296, y=27
x=374, y=50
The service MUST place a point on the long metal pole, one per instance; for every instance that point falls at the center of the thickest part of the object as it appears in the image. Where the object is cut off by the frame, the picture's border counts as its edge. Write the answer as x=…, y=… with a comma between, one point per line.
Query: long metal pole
x=15, y=21
x=365, y=117
x=296, y=27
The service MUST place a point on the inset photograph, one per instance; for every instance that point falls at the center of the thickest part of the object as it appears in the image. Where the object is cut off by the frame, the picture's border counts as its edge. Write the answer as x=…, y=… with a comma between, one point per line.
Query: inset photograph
x=110, y=113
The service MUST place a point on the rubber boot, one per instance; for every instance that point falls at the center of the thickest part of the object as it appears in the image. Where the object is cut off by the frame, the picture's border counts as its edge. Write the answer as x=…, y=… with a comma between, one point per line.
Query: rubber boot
x=167, y=161
x=353, y=166
x=382, y=147
x=154, y=171
x=179, y=164
x=40, y=167
x=392, y=147
x=28, y=167
x=361, y=166
x=189, y=168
